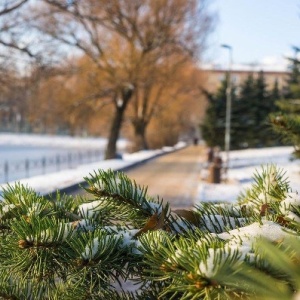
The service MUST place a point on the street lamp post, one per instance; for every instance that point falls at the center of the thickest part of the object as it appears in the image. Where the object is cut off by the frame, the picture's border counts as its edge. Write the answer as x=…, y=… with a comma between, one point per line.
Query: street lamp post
x=228, y=107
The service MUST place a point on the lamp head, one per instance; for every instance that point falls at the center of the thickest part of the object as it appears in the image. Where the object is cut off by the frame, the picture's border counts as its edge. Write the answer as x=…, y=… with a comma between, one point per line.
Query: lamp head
x=226, y=46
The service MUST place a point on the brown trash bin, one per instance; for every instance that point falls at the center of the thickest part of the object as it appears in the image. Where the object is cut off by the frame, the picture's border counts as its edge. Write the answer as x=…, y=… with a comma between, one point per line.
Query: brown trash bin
x=214, y=174
x=210, y=155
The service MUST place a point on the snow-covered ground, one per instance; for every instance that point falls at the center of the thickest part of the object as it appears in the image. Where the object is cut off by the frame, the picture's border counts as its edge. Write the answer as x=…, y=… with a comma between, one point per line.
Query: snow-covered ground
x=243, y=164
x=49, y=183
x=25, y=155
x=55, y=141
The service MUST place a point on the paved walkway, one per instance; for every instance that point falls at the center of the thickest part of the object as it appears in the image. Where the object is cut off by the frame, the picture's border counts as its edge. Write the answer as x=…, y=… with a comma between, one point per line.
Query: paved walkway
x=173, y=177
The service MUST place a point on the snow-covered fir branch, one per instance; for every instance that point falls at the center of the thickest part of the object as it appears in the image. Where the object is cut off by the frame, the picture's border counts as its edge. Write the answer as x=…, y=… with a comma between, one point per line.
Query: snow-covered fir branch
x=80, y=246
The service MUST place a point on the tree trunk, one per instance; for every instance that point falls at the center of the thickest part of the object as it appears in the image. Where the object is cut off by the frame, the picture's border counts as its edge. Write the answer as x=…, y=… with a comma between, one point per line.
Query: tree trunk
x=121, y=101
x=111, y=148
x=140, y=140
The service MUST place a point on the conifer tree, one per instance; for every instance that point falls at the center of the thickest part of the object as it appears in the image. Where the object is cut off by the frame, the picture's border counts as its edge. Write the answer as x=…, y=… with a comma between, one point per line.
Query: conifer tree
x=275, y=93
x=213, y=125
x=242, y=112
x=287, y=121
x=249, y=116
x=82, y=248
x=263, y=104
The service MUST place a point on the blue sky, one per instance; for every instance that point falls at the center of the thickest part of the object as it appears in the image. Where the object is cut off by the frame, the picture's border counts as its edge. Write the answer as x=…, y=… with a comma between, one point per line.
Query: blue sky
x=259, y=31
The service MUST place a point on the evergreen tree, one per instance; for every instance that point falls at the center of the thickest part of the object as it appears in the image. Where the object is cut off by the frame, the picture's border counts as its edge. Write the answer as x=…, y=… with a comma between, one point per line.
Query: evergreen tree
x=213, y=125
x=287, y=121
x=275, y=94
x=249, y=116
x=77, y=248
x=263, y=106
x=292, y=89
x=242, y=113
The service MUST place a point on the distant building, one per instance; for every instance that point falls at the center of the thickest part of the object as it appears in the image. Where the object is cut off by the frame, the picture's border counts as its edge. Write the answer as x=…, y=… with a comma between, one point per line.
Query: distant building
x=213, y=77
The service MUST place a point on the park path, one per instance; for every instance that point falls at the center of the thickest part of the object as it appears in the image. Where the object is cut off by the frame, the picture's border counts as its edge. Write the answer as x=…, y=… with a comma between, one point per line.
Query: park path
x=173, y=177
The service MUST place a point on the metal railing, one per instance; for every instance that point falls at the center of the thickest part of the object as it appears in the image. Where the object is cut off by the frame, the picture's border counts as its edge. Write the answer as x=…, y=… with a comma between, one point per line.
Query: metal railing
x=16, y=170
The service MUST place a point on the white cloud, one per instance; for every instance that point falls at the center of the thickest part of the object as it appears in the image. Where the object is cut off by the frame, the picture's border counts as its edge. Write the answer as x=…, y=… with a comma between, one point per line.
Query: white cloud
x=275, y=63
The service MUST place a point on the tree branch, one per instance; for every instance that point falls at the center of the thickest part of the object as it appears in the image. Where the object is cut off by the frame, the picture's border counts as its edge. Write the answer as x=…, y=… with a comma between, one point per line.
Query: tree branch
x=15, y=46
x=7, y=10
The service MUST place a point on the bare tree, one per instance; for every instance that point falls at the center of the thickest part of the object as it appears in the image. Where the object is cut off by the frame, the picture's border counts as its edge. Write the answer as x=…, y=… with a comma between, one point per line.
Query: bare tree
x=146, y=32
x=22, y=47
x=160, y=88
x=180, y=109
x=14, y=33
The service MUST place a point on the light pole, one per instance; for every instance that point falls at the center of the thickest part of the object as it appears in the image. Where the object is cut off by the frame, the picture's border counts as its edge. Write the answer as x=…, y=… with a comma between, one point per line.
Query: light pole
x=228, y=107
